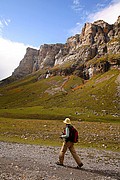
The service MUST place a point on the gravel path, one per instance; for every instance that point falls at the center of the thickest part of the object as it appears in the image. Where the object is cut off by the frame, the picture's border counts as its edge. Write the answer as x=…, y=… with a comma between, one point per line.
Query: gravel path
x=33, y=162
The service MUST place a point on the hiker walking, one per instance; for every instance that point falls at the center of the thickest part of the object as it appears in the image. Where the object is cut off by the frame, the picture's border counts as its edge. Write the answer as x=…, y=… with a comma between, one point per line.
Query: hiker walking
x=69, y=139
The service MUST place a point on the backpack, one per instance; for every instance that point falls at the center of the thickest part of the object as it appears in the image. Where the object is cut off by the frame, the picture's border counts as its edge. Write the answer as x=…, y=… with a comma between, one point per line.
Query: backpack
x=73, y=136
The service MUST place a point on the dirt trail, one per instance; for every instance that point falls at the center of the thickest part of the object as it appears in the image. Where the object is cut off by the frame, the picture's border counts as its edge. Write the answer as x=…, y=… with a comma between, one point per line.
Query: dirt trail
x=35, y=162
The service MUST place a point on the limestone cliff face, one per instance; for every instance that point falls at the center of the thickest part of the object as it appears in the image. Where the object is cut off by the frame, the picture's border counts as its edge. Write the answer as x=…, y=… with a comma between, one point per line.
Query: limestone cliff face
x=48, y=53
x=28, y=64
x=96, y=40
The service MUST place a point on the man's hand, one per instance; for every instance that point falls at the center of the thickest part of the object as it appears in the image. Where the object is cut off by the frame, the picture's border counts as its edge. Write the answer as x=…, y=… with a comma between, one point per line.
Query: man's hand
x=61, y=137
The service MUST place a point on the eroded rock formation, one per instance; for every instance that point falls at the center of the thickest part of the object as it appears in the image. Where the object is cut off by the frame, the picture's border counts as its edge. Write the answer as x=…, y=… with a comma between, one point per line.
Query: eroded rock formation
x=96, y=40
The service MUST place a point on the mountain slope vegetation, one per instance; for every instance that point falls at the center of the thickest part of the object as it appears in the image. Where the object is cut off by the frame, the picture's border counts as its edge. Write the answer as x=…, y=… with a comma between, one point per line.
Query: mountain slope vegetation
x=79, y=79
x=58, y=97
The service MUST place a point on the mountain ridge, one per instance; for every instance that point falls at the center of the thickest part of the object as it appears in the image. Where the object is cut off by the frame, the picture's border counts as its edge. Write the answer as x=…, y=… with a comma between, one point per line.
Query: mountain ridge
x=96, y=49
x=66, y=81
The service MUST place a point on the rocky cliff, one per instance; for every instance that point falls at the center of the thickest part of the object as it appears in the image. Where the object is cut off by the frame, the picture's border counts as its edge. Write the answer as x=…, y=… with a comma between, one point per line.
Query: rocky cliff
x=96, y=49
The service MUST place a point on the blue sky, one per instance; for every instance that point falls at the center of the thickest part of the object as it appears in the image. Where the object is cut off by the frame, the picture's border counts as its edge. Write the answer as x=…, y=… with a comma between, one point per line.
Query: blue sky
x=32, y=23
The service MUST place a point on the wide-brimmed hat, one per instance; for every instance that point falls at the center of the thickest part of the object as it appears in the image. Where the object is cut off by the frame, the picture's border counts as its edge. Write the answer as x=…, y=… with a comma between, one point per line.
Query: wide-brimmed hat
x=67, y=121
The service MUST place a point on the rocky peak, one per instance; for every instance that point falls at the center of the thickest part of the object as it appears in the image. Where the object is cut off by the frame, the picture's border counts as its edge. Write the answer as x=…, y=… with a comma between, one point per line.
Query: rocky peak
x=47, y=54
x=96, y=40
x=95, y=33
x=118, y=20
x=27, y=63
x=92, y=33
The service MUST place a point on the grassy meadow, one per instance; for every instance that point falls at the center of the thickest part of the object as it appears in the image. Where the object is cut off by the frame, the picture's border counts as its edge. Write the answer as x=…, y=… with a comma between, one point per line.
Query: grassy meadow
x=32, y=110
x=46, y=132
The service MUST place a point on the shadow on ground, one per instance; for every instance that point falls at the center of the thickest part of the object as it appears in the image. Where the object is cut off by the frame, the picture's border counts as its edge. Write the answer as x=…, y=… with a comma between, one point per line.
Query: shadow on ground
x=107, y=173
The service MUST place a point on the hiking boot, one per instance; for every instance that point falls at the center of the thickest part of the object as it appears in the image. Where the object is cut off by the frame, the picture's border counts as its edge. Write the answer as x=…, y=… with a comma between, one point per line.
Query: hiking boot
x=58, y=163
x=79, y=166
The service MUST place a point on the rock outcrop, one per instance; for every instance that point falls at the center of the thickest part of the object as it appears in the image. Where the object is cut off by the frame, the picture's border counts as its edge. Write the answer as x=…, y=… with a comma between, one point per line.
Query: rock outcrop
x=28, y=64
x=98, y=39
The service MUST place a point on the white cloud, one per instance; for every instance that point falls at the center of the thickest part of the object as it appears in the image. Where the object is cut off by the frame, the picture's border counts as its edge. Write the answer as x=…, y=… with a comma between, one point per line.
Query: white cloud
x=76, y=6
x=108, y=14
x=79, y=25
x=76, y=29
x=7, y=21
x=3, y=22
x=1, y=25
x=11, y=53
x=76, y=2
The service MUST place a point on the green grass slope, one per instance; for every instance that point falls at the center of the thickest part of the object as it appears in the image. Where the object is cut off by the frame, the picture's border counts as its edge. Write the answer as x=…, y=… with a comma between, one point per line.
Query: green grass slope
x=58, y=97
x=46, y=132
x=32, y=110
